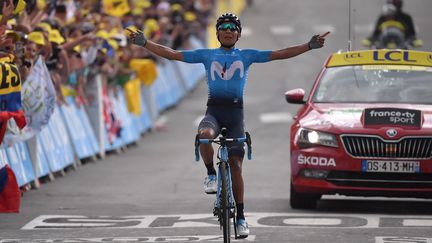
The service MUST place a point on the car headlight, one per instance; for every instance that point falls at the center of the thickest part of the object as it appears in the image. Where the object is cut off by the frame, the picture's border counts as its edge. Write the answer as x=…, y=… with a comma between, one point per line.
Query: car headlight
x=309, y=138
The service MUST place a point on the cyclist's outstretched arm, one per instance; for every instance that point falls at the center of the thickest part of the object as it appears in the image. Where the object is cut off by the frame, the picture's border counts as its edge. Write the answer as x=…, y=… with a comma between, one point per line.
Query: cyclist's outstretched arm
x=164, y=51
x=289, y=52
x=317, y=41
x=138, y=38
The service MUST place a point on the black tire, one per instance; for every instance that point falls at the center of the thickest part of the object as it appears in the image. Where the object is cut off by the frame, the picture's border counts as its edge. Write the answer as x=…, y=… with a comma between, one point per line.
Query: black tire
x=224, y=205
x=300, y=200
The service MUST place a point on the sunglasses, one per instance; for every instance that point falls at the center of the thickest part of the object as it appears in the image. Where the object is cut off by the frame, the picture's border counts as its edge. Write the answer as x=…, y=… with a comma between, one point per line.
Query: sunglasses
x=228, y=26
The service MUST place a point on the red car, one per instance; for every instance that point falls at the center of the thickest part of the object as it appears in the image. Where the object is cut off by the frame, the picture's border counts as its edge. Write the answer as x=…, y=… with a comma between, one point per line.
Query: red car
x=365, y=128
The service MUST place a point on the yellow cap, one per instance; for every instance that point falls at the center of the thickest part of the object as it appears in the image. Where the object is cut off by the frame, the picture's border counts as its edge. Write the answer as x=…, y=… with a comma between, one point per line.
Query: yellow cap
x=113, y=32
x=142, y=4
x=13, y=34
x=190, y=16
x=150, y=26
x=116, y=8
x=11, y=22
x=102, y=34
x=41, y=4
x=44, y=26
x=176, y=7
x=137, y=11
x=36, y=37
x=55, y=36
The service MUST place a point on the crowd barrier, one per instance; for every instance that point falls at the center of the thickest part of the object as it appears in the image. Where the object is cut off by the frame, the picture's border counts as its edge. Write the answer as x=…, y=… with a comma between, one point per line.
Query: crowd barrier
x=78, y=132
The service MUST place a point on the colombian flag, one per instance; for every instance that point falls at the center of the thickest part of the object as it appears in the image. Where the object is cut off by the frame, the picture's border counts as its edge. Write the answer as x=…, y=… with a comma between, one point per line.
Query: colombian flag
x=10, y=194
x=10, y=97
x=10, y=107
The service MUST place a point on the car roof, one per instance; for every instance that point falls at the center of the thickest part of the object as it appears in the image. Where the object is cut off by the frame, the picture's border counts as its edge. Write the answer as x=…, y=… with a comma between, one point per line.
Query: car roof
x=380, y=57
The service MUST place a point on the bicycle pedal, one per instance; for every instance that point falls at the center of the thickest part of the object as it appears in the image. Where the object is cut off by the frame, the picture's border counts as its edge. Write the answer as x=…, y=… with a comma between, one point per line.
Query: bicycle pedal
x=215, y=211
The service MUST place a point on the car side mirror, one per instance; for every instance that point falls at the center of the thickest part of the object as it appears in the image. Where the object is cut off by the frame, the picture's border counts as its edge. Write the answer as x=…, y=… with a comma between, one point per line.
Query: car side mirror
x=295, y=96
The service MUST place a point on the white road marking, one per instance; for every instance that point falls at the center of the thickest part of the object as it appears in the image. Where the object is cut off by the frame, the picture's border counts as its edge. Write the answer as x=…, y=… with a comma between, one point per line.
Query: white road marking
x=321, y=29
x=400, y=239
x=309, y=222
x=186, y=238
x=418, y=222
x=282, y=30
x=277, y=117
x=259, y=220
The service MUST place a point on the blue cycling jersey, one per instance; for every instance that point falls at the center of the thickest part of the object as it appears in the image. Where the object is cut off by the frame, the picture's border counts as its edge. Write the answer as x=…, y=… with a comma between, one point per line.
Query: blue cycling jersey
x=226, y=72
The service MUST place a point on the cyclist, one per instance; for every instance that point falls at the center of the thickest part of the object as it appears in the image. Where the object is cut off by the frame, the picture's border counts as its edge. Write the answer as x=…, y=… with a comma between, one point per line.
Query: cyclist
x=226, y=69
x=398, y=15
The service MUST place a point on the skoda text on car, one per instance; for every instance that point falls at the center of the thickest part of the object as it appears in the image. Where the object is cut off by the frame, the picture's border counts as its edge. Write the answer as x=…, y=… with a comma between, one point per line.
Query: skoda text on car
x=365, y=128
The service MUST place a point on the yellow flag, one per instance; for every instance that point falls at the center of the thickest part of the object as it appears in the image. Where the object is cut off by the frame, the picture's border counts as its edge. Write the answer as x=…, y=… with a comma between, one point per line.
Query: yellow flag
x=133, y=96
x=145, y=69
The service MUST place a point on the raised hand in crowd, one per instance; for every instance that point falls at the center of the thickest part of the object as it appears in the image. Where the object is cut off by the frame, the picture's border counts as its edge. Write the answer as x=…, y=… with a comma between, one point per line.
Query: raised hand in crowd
x=7, y=11
x=71, y=44
x=24, y=23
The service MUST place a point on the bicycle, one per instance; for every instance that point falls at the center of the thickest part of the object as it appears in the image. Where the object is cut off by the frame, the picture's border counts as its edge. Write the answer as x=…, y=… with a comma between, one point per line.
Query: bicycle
x=225, y=204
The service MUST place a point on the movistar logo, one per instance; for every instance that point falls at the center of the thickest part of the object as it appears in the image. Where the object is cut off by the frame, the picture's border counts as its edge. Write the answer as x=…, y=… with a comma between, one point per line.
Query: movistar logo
x=226, y=73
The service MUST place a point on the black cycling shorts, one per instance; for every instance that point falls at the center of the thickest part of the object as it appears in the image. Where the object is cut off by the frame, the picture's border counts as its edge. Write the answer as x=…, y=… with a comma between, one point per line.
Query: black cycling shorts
x=232, y=119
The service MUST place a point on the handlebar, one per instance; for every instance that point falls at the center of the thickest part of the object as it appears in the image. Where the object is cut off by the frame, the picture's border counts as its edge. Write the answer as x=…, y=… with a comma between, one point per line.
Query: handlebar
x=222, y=141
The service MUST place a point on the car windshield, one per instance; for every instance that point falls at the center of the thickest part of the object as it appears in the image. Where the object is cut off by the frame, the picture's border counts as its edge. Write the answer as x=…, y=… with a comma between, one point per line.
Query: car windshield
x=375, y=84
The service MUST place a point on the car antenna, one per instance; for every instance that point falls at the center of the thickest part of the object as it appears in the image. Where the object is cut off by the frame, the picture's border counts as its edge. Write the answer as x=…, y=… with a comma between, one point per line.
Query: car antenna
x=349, y=25
x=351, y=37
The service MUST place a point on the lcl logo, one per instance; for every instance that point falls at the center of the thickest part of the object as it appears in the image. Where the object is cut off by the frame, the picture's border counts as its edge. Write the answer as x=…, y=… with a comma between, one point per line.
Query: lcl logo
x=391, y=132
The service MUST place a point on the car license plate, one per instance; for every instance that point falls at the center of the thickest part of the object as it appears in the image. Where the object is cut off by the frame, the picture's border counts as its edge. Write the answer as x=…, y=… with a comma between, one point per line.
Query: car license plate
x=390, y=166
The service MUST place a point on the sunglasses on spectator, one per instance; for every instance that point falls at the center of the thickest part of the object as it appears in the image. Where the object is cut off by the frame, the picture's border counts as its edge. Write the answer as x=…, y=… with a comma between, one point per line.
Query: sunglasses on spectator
x=228, y=26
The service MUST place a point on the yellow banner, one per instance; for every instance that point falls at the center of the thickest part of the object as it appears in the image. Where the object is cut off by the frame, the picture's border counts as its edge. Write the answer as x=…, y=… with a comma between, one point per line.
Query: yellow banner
x=381, y=57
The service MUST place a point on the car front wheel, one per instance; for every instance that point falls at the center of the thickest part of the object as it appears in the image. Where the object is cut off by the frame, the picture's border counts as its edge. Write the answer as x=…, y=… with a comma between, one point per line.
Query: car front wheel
x=300, y=200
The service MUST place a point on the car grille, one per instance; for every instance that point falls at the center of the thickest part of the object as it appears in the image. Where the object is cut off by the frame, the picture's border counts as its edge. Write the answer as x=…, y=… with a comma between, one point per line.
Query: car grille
x=380, y=179
x=361, y=146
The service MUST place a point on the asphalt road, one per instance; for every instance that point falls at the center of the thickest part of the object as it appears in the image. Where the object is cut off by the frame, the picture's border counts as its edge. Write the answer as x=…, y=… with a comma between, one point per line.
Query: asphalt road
x=153, y=192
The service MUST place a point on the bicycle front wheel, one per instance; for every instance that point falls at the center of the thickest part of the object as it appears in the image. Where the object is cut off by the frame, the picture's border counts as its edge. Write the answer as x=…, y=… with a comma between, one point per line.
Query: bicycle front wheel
x=225, y=209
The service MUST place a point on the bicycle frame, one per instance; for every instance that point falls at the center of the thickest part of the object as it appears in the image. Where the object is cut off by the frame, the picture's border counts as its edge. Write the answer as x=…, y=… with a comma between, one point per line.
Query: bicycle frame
x=224, y=170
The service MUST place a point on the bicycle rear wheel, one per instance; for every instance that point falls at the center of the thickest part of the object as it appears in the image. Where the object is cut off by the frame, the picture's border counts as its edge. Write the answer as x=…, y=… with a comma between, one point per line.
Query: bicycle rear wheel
x=225, y=209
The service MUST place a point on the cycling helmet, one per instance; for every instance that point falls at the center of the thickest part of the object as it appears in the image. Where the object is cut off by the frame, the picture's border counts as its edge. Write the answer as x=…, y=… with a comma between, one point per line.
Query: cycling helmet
x=397, y=3
x=229, y=17
x=388, y=10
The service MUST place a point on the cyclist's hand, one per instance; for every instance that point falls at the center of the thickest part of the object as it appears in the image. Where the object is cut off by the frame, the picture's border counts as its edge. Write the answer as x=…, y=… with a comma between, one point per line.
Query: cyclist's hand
x=137, y=37
x=317, y=41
